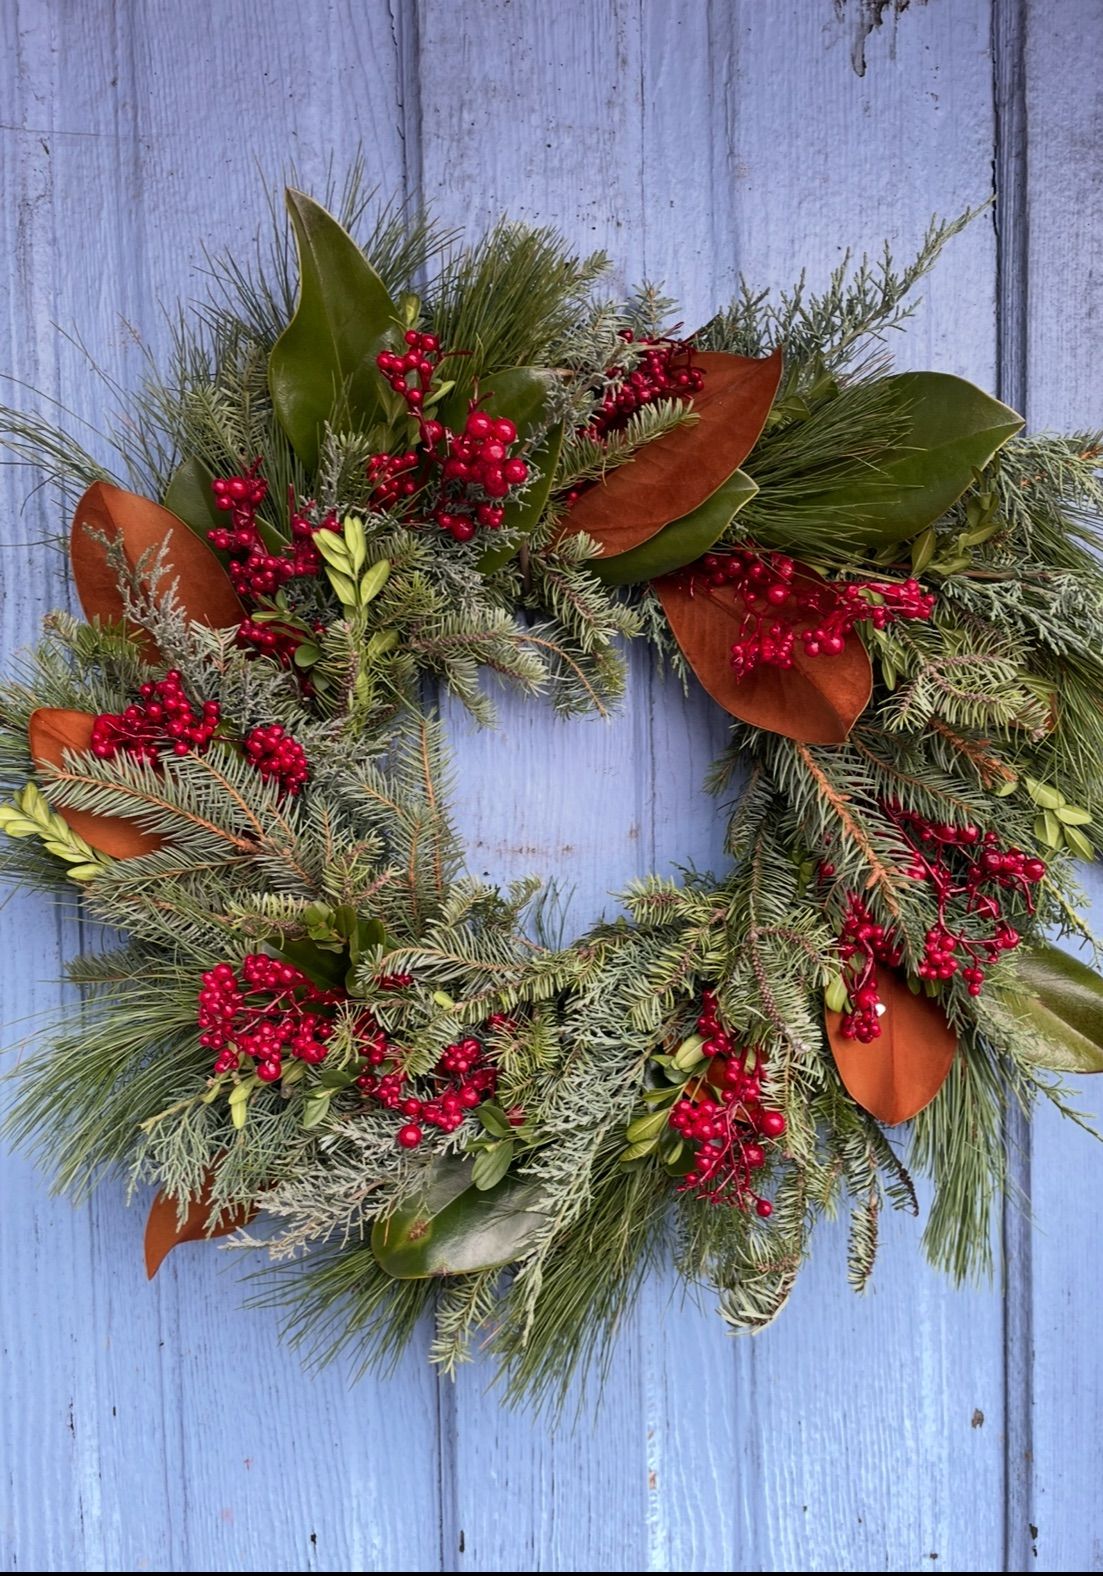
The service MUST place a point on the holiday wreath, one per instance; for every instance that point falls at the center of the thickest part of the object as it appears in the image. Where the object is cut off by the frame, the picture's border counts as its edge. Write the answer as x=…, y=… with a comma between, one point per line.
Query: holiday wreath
x=345, y=497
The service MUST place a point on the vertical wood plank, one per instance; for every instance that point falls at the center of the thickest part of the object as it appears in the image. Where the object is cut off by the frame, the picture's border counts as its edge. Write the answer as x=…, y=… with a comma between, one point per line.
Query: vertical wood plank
x=165, y=1429
x=182, y=1435
x=721, y=190
x=72, y=1393
x=852, y=1435
x=547, y=127
x=1054, y=1522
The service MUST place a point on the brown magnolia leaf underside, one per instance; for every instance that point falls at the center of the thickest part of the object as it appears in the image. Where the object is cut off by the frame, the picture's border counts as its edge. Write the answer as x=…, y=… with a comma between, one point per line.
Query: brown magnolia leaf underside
x=164, y=1230
x=203, y=587
x=816, y=701
x=895, y=1076
x=52, y=731
x=674, y=475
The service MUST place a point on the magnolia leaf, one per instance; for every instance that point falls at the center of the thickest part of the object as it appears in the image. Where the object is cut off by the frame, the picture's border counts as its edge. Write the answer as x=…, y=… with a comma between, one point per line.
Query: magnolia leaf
x=52, y=731
x=672, y=477
x=895, y=1076
x=322, y=367
x=522, y=518
x=816, y=701
x=190, y=497
x=682, y=541
x=453, y=1228
x=952, y=429
x=518, y=393
x=164, y=1229
x=1064, y=1010
x=138, y=525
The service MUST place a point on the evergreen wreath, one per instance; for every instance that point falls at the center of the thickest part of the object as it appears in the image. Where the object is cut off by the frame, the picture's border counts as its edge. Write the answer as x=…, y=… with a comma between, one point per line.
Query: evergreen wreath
x=346, y=495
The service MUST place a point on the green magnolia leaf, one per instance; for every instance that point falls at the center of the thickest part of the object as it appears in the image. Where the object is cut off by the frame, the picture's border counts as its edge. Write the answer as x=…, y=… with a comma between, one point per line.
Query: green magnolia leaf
x=522, y=518
x=682, y=541
x=453, y=1228
x=323, y=364
x=952, y=429
x=189, y=497
x=1065, y=1009
x=519, y=393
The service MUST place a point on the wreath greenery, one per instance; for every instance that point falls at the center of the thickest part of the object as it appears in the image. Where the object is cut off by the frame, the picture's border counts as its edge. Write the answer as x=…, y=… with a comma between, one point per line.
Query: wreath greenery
x=345, y=494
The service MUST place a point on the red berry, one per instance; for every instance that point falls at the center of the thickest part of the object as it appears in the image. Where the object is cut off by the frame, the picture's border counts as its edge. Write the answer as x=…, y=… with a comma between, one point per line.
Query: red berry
x=410, y=1136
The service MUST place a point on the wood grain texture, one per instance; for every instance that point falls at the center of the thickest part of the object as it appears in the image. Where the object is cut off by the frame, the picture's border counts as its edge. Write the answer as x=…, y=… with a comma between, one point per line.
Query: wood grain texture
x=164, y=1428
x=1058, y=1525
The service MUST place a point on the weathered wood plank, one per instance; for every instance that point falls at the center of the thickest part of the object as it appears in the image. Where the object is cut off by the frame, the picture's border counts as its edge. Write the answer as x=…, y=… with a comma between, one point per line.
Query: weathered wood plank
x=71, y=1393
x=182, y=1436
x=1056, y=1524
x=722, y=190
x=850, y=1424
x=164, y=1429
x=540, y=133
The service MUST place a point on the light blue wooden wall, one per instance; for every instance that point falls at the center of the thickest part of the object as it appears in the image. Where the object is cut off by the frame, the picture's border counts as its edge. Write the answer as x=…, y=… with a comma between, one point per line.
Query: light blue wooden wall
x=922, y=1428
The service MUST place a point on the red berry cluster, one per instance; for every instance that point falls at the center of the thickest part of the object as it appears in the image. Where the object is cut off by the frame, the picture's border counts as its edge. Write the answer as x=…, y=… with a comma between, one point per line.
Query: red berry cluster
x=254, y=571
x=277, y=757
x=271, y=639
x=395, y=981
x=477, y=472
x=163, y=721
x=473, y=470
x=726, y=1119
x=780, y=604
x=264, y=1010
x=664, y=370
x=421, y=360
x=863, y=944
x=972, y=870
x=967, y=869
x=463, y=1079
x=160, y=721
x=392, y=478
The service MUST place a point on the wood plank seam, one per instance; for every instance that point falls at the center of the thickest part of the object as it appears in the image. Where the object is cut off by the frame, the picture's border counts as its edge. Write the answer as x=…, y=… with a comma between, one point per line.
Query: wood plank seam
x=1012, y=302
